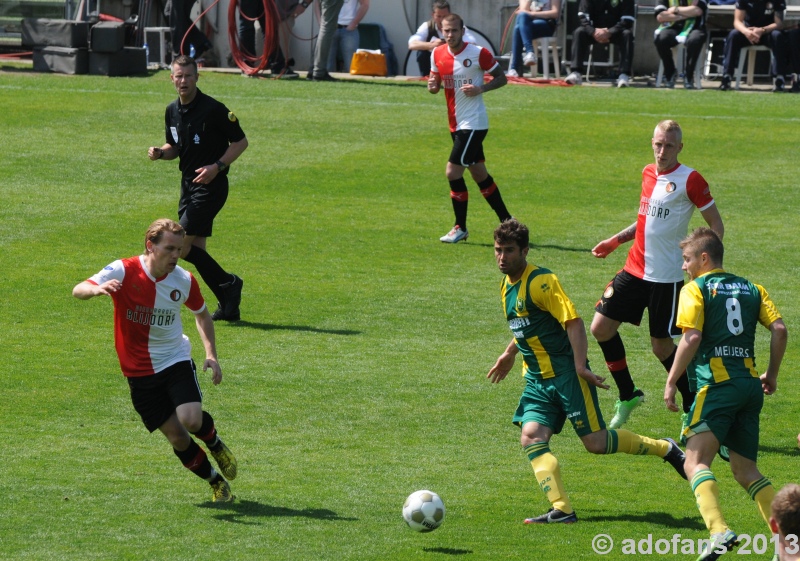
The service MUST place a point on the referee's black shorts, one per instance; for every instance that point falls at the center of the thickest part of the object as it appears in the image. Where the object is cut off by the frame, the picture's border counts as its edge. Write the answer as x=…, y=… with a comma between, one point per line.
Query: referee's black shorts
x=200, y=204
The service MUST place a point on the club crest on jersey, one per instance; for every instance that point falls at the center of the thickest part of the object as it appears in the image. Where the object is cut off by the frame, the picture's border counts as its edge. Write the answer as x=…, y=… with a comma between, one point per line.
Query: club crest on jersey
x=671, y=187
x=467, y=62
x=196, y=139
x=231, y=117
x=520, y=305
x=175, y=295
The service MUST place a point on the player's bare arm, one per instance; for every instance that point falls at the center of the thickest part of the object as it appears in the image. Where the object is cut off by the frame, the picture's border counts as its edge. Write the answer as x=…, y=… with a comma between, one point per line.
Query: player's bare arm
x=714, y=220
x=206, y=174
x=205, y=327
x=498, y=81
x=434, y=83
x=687, y=347
x=504, y=364
x=779, y=337
x=605, y=247
x=85, y=290
x=576, y=331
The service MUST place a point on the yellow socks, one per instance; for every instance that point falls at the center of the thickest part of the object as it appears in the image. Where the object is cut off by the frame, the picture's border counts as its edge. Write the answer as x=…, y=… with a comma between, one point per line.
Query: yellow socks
x=627, y=442
x=548, y=475
x=706, y=493
x=762, y=492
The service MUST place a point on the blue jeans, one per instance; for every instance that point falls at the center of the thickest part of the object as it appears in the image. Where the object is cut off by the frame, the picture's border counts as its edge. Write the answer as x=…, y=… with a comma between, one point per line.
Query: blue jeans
x=346, y=43
x=526, y=30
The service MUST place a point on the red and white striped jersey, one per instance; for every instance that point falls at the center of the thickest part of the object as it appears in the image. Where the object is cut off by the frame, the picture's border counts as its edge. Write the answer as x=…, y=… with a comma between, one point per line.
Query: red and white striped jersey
x=459, y=69
x=148, y=333
x=666, y=206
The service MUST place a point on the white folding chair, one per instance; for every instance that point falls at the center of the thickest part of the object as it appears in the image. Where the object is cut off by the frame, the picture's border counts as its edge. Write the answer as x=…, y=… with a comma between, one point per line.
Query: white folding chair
x=751, y=52
x=679, y=56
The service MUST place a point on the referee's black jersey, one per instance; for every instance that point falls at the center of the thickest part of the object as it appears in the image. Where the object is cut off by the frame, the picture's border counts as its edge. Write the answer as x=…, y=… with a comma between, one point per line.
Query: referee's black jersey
x=761, y=13
x=201, y=131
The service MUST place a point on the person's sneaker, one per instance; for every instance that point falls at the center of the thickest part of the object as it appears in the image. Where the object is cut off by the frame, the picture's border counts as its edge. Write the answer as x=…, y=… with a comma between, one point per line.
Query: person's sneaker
x=512, y=73
x=670, y=81
x=286, y=74
x=623, y=409
x=574, y=79
x=623, y=81
x=780, y=86
x=553, y=516
x=225, y=460
x=675, y=457
x=322, y=78
x=221, y=492
x=228, y=309
x=688, y=84
x=455, y=235
x=725, y=85
x=529, y=59
x=721, y=543
x=724, y=453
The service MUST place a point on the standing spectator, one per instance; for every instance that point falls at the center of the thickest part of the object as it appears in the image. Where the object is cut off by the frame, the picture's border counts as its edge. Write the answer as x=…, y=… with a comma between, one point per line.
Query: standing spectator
x=559, y=385
x=652, y=276
x=429, y=36
x=329, y=15
x=345, y=41
x=460, y=67
x=757, y=22
x=534, y=21
x=785, y=522
x=180, y=24
x=156, y=357
x=252, y=10
x=603, y=22
x=207, y=138
x=684, y=21
x=719, y=313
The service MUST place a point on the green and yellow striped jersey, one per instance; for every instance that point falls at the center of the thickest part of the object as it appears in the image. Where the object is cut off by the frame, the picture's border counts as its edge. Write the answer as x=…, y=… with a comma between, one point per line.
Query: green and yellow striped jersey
x=537, y=308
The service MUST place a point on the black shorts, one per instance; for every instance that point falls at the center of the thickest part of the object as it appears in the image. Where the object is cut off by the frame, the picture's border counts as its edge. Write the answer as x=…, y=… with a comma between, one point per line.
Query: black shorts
x=626, y=297
x=467, y=147
x=156, y=397
x=200, y=204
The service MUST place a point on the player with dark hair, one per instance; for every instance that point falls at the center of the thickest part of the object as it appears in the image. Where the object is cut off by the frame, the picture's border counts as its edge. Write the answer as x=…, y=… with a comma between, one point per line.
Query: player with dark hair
x=155, y=356
x=207, y=138
x=551, y=337
x=719, y=312
x=459, y=67
x=785, y=522
x=652, y=277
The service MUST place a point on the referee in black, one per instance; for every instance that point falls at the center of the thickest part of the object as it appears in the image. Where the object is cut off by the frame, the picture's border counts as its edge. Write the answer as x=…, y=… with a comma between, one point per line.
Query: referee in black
x=207, y=138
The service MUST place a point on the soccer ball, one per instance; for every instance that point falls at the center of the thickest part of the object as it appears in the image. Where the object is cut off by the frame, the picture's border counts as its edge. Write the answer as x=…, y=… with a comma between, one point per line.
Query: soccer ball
x=423, y=511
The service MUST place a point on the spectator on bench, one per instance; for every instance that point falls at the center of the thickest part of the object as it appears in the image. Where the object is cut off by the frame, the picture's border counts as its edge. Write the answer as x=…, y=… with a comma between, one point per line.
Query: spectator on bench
x=681, y=21
x=534, y=20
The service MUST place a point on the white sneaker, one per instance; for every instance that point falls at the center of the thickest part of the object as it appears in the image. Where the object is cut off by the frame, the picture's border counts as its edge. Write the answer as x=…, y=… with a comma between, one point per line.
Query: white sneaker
x=529, y=59
x=624, y=81
x=513, y=73
x=455, y=235
x=574, y=79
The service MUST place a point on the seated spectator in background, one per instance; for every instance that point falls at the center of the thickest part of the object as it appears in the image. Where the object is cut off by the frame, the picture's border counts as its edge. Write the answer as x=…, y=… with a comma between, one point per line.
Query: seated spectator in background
x=534, y=21
x=785, y=522
x=345, y=42
x=682, y=21
x=756, y=22
x=429, y=36
x=793, y=37
x=603, y=22
x=252, y=10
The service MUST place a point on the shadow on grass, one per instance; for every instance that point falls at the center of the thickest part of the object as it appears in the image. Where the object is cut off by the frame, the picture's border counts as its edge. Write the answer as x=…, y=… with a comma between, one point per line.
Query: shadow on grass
x=782, y=450
x=660, y=518
x=274, y=327
x=447, y=550
x=239, y=510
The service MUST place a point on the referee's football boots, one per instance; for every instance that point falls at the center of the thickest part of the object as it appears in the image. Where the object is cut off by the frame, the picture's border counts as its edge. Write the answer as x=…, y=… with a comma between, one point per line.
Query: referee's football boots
x=228, y=309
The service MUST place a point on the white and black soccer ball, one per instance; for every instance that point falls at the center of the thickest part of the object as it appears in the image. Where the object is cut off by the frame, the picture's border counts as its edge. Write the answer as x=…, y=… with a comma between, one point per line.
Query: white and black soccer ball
x=423, y=511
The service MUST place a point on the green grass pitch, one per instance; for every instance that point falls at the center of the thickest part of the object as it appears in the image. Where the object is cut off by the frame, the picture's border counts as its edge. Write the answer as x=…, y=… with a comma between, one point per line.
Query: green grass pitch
x=358, y=372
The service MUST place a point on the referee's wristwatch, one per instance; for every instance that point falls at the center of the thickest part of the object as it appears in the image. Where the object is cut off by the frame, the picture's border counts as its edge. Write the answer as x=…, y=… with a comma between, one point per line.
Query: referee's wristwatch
x=221, y=165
